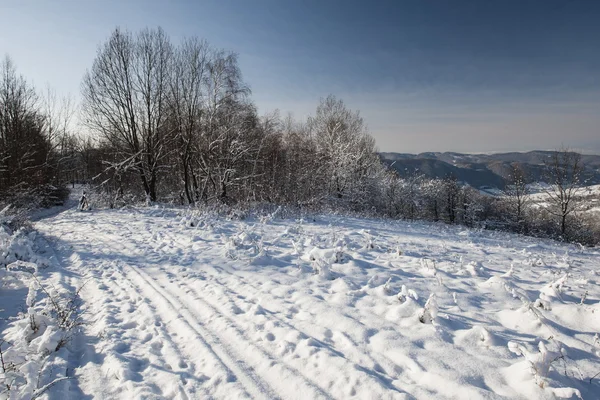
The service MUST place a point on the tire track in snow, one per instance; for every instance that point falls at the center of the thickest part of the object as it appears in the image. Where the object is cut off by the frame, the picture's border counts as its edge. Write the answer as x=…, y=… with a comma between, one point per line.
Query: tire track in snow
x=289, y=373
x=277, y=321
x=234, y=365
x=123, y=347
x=172, y=356
x=239, y=346
x=237, y=342
x=381, y=377
x=356, y=358
x=108, y=239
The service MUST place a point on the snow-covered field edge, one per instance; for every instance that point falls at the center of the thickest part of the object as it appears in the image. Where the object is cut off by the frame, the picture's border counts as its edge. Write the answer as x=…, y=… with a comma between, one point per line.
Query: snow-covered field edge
x=40, y=315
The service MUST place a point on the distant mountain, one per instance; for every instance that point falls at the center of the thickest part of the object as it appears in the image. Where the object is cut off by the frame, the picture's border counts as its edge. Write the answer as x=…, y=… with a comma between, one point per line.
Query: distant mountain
x=482, y=170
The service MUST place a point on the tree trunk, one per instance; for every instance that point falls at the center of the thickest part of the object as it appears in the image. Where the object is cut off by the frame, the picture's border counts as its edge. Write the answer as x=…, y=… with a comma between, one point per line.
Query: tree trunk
x=186, y=182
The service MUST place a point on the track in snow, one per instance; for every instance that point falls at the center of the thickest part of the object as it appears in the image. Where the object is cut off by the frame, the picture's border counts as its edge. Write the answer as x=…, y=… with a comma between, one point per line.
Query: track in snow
x=181, y=312
x=196, y=346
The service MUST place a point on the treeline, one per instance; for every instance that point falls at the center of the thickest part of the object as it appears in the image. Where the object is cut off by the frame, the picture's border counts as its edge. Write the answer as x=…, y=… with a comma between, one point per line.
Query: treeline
x=178, y=119
x=36, y=149
x=559, y=210
x=175, y=122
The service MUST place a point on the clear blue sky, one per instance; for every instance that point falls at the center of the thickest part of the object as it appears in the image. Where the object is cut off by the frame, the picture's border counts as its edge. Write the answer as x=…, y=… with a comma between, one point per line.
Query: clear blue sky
x=426, y=75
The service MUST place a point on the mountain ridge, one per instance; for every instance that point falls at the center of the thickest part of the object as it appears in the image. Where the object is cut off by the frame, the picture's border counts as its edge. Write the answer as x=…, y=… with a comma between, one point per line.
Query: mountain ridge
x=482, y=170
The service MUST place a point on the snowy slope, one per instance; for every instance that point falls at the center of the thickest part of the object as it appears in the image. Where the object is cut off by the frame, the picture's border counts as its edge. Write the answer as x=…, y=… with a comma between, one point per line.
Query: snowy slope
x=588, y=195
x=195, y=306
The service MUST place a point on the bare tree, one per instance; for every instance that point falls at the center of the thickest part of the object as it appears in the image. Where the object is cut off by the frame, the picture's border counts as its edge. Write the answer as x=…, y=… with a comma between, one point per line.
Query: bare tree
x=23, y=146
x=64, y=145
x=229, y=136
x=517, y=197
x=188, y=97
x=299, y=183
x=125, y=99
x=266, y=169
x=564, y=174
x=450, y=190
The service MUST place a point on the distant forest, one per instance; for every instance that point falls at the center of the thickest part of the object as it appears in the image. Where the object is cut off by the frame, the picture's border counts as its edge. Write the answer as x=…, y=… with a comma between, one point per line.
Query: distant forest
x=175, y=123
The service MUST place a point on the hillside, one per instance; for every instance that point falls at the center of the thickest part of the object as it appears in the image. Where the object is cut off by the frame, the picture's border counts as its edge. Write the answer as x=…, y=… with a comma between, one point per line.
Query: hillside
x=482, y=170
x=181, y=304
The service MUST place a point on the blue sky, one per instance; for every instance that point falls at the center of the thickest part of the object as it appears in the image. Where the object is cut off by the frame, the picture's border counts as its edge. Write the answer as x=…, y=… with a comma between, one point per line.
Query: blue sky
x=426, y=75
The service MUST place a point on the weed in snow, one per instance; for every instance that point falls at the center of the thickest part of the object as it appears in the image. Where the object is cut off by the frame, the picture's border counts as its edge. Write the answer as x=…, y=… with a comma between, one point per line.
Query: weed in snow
x=429, y=313
x=405, y=294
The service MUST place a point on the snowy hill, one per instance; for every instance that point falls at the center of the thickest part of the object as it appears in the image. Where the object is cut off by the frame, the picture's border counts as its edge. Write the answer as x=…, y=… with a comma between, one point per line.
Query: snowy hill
x=589, y=197
x=483, y=170
x=184, y=305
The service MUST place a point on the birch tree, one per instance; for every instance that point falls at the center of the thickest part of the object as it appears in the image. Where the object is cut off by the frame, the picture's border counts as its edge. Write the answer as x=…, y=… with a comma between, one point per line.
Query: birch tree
x=228, y=138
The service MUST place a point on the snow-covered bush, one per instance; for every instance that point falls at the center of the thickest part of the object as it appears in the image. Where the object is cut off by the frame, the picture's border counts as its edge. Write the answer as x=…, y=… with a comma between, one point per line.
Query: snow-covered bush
x=18, y=246
x=322, y=268
x=407, y=294
x=429, y=313
x=32, y=336
x=550, y=293
x=543, y=361
x=19, y=202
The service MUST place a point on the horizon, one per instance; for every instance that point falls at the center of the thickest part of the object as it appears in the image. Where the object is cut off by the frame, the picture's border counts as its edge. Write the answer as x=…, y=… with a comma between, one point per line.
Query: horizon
x=492, y=152
x=426, y=77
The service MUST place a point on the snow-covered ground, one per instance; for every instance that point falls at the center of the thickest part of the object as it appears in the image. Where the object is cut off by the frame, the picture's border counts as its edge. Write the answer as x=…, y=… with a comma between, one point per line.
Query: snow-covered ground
x=588, y=198
x=194, y=306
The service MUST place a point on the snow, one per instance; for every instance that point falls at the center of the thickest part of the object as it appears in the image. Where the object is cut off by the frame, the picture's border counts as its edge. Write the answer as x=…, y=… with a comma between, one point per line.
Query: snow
x=33, y=331
x=588, y=195
x=181, y=304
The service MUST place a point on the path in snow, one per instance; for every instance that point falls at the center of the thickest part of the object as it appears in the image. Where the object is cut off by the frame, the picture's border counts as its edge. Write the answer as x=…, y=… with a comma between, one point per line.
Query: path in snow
x=232, y=309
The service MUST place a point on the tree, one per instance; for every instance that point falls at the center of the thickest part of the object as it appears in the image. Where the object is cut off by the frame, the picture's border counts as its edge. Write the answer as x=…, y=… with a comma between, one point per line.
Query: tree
x=267, y=169
x=400, y=197
x=24, y=148
x=64, y=145
x=564, y=174
x=187, y=105
x=298, y=181
x=517, y=197
x=125, y=99
x=474, y=206
x=229, y=139
x=346, y=152
x=451, y=197
x=431, y=192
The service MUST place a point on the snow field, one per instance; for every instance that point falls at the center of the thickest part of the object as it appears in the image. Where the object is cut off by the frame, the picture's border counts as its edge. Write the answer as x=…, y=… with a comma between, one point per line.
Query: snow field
x=185, y=305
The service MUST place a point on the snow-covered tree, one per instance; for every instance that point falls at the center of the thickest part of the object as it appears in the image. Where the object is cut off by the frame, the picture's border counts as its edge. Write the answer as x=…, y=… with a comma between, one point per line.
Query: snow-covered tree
x=517, y=197
x=564, y=175
x=345, y=150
